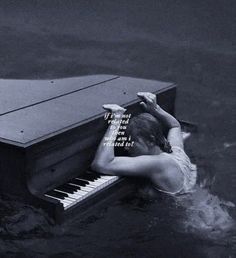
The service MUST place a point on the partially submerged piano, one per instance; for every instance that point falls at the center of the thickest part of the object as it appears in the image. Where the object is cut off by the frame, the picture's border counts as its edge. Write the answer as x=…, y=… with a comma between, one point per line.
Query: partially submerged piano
x=50, y=130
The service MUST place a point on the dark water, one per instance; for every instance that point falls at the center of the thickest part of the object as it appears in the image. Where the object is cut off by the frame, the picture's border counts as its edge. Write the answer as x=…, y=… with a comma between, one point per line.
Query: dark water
x=188, y=42
x=134, y=226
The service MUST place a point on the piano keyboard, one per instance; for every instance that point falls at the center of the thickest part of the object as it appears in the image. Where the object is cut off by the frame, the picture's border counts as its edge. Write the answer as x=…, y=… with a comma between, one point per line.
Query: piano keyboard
x=79, y=188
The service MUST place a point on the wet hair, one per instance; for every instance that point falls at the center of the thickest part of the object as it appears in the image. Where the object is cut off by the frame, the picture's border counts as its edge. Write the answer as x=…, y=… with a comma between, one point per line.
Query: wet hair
x=150, y=129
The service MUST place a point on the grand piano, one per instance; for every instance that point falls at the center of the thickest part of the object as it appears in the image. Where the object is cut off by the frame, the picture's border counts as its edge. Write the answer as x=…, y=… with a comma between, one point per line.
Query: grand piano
x=50, y=130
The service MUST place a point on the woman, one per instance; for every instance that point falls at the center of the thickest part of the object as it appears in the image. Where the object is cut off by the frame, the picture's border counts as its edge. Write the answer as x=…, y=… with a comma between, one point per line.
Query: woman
x=163, y=161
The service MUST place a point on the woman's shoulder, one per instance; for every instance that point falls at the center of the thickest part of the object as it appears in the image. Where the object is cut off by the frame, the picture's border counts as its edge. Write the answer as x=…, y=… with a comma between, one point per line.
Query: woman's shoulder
x=157, y=163
x=170, y=164
x=177, y=148
x=167, y=161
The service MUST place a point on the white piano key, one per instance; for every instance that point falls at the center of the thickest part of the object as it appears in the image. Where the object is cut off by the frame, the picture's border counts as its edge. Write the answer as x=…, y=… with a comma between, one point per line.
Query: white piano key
x=57, y=198
x=84, y=180
x=88, y=184
x=63, y=202
x=101, y=180
x=92, y=184
x=85, y=188
x=69, y=199
x=74, y=184
x=78, y=194
x=71, y=196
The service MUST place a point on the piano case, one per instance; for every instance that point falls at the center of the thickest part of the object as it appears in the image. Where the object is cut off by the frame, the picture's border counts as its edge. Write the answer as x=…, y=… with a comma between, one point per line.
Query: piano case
x=50, y=129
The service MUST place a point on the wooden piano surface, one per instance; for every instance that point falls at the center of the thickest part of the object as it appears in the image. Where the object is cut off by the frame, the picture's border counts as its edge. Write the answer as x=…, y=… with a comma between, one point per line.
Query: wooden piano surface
x=49, y=129
x=29, y=116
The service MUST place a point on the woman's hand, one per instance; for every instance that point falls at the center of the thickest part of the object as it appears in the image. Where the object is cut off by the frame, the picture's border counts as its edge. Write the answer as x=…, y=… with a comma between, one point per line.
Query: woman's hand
x=114, y=108
x=149, y=101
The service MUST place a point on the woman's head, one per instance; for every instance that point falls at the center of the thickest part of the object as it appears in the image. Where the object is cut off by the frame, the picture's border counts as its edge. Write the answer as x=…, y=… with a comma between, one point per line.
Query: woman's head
x=146, y=132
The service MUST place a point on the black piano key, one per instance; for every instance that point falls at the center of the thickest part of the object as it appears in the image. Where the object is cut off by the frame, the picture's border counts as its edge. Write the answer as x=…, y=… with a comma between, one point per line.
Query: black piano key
x=79, y=182
x=67, y=188
x=61, y=194
x=57, y=194
x=86, y=181
x=62, y=188
x=88, y=176
x=75, y=187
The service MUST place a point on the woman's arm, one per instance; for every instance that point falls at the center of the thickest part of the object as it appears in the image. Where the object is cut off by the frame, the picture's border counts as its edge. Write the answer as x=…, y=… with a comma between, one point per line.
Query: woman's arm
x=174, y=134
x=150, y=105
x=105, y=152
x=105, y=161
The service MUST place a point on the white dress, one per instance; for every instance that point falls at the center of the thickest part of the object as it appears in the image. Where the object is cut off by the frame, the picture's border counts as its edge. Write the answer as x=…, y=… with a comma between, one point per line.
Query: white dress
x=188, y=169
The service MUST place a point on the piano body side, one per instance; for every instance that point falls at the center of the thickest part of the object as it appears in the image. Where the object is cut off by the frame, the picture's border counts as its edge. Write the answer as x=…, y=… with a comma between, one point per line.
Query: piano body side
x=14, y=181
x=12, y=169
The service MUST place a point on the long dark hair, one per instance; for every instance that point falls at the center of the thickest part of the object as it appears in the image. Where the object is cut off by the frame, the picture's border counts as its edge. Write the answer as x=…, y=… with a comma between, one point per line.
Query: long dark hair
x=149, y=128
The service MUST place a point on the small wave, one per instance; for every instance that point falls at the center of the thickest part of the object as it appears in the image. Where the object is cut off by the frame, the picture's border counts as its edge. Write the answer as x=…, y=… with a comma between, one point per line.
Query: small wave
x=206, y=215
x=19, y=221
x=199, y=213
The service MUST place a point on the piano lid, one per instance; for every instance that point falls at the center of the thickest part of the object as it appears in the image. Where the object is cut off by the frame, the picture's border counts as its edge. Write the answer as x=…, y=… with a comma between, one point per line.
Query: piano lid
x=41, y=113
x=18, y=94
